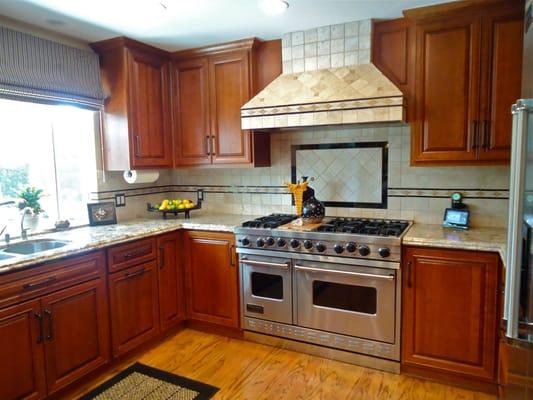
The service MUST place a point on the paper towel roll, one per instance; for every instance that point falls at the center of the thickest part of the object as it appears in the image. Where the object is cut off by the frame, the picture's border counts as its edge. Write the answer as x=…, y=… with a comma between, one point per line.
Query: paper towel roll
x=133, y=176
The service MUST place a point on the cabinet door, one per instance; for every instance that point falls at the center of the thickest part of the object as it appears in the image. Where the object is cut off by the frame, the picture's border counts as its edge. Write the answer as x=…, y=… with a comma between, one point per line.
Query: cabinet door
x=133, y=303
x=22, y=373
x=229, y=87
x=149, y=111
x=447, y=90
x=502, y=80
x=190, y=102
x=212, y=281
x=76, y=332
x=170, y=283
x=450, y=315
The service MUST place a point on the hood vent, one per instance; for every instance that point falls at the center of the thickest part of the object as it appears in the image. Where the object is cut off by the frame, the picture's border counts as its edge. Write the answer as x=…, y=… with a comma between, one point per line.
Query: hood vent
x=350, y=94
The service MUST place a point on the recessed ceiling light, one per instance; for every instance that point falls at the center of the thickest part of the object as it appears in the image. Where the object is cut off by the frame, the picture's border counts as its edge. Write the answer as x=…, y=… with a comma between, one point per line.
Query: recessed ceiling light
x=273, y=7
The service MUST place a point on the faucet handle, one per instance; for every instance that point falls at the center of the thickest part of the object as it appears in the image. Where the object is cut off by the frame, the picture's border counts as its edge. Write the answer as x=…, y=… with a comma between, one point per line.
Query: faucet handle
x=24, y=234
x=7, y=238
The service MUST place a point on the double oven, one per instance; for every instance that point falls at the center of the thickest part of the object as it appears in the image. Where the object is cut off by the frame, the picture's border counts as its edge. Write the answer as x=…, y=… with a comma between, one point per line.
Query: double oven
x=342, y=303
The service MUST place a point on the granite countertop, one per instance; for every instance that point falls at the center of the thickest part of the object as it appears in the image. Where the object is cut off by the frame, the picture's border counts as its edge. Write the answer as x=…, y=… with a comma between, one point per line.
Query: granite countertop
x=88, y=238
x=481, y=239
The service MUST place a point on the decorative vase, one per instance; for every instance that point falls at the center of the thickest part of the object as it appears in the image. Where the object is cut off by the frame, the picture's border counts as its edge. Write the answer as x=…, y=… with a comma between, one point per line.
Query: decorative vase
x=313, y=210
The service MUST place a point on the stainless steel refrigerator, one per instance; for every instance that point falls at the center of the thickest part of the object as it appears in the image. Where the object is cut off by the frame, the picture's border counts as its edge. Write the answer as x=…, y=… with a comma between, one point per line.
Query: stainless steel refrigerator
x=516, y=356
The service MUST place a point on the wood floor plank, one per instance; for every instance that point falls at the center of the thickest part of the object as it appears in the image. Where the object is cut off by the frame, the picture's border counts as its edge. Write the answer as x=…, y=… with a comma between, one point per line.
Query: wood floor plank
x=249, y=371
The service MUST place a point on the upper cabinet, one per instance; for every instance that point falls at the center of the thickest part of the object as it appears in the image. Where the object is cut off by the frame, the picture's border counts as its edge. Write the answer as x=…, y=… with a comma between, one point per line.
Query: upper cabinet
x=137, y=132
x=393, y=53
x=468, y=60
x=209, y=86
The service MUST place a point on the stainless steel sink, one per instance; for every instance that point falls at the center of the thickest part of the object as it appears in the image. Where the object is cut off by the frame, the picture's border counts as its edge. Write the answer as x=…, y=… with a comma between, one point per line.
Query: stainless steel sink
x=34, y=246
x=5, y=256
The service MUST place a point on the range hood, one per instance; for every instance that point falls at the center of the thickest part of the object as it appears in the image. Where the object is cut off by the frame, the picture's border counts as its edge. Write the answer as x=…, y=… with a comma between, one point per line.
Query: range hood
x=350, y=94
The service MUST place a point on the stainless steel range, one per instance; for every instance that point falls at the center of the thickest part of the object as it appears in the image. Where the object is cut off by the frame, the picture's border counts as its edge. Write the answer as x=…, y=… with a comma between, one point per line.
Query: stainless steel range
x=332, y=291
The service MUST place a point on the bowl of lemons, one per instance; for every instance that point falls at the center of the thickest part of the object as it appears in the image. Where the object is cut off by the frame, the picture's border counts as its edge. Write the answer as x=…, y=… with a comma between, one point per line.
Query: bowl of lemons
x=175, y=207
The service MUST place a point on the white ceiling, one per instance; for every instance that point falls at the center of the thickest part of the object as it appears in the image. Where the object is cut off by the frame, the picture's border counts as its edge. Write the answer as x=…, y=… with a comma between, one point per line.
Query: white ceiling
x=191, y=23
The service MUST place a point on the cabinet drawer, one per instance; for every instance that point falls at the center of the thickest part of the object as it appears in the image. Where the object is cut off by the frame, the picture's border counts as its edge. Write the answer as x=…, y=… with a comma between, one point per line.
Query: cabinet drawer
x=129, y=254
x=58, y=275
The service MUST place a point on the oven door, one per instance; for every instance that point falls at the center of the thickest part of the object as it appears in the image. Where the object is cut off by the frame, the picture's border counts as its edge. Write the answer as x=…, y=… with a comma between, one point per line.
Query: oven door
x=350, y=300
x=266, y=288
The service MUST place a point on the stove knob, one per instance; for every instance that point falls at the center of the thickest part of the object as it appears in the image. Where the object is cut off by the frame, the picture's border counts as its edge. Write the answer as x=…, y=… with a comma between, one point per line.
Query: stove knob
x=270, y=241
x=245, y=241
x=384, y=252
x=320, y=247
x=260, y=242
x=364, y=250
x=350, y=247
x=282, y=242
x=295, y=243
x=338, y=248
x=308, y=244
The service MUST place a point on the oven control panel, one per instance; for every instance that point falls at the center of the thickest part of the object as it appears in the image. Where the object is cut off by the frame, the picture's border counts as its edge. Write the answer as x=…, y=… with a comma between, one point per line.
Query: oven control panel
x=340, y=248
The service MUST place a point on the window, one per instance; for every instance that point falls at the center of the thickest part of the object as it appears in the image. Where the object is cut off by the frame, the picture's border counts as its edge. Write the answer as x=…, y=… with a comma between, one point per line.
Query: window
x=50, y=147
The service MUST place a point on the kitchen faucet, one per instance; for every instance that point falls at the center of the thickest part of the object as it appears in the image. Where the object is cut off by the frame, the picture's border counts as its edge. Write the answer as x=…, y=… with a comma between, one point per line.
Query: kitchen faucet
x=5, y=203
x=24, y=231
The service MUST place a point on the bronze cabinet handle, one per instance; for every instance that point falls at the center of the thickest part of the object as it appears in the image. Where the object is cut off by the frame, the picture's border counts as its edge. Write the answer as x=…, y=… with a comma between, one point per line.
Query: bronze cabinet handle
x=137, y=145
x=486, y=135
x=134, y=254
x=213, y=152
x=48, y=313
x=232, y=255
x=134, y=274
x=474, y=134
x=161, y=257
x=208, y=145
x=409, y=274
x=37, y=285
x=39, y=317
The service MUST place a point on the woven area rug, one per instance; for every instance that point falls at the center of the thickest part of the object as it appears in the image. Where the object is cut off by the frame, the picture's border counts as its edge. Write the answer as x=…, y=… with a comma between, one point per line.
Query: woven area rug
x=140, y=382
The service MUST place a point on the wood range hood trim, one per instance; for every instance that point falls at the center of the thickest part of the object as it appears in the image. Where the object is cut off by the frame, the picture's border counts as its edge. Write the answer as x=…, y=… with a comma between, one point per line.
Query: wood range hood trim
x=346, y=95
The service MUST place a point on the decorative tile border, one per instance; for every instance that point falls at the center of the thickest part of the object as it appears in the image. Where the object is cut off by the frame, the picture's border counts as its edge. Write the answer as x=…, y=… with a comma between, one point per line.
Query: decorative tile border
x=469, y=193
x=487, y=194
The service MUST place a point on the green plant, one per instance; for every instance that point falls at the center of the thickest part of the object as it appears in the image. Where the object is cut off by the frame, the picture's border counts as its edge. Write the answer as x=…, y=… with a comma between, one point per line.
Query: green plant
x=31, y=197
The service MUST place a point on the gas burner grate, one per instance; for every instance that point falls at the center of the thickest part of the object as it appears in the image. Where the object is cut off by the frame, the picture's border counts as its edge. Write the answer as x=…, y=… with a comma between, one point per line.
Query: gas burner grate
x=271, y=221
x=362, y=226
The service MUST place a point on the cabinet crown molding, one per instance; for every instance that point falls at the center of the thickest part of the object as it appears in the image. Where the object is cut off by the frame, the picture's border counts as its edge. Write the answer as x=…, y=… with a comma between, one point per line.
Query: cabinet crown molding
x=242, y=44
x=123, y=41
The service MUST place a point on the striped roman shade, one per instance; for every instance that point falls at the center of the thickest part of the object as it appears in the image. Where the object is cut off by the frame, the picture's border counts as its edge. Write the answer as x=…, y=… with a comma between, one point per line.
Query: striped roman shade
x=36, y=69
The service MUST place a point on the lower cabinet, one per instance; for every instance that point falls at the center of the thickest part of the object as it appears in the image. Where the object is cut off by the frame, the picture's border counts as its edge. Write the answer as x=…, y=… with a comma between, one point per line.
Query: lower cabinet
x=22, y=352
x=170, y=281
x=76, y=332
x=133, y=300
x=56, y=338
x=450, y=314
x=212, y=284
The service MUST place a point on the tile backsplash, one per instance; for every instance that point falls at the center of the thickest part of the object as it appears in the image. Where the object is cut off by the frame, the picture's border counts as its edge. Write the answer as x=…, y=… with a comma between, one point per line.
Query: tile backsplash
x=420, y=193
x=329, y=46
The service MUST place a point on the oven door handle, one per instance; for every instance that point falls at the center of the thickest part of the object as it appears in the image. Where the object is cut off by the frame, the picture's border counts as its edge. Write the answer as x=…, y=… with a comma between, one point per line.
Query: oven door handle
x=265, y=263
x=362, y=274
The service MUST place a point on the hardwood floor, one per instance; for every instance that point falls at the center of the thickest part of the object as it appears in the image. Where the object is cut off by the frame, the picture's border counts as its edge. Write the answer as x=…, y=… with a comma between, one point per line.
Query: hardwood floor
x=245, y=370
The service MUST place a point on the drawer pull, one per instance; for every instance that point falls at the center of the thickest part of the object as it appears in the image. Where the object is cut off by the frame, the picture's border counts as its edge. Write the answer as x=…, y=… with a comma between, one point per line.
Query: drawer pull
x=129, y=256
x=36, y=285
x=134, y=274
x=39, y=318
x=48, y=313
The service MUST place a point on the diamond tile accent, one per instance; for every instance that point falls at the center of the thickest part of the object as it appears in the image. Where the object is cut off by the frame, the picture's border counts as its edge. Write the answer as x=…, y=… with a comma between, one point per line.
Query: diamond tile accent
x=345, y=175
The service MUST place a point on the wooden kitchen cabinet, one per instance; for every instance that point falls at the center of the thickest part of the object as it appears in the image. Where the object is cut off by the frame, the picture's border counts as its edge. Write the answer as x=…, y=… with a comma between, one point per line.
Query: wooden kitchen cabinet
x=133, y=301
x=450, y=314
x=209, y=86
x=171, y=296
x=22, y=373
x=212, y=278
x=465, y=81
x=76, y=330
x=60, y=331
x=393, y=54
x=137, y=131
